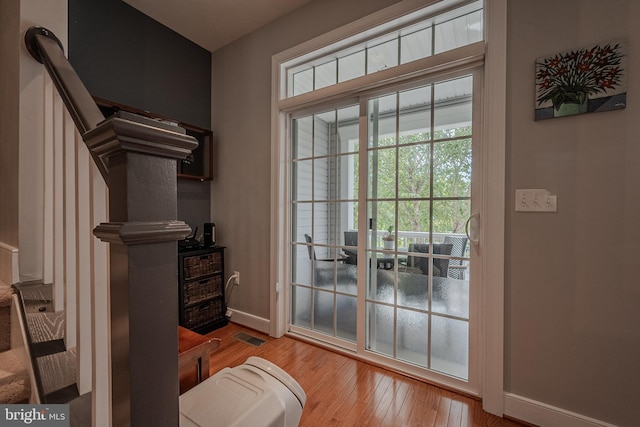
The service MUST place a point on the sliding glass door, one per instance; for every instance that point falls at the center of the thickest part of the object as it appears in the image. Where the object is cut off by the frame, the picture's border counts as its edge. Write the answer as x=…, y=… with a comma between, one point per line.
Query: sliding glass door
x=380, y=194
x=419, y=153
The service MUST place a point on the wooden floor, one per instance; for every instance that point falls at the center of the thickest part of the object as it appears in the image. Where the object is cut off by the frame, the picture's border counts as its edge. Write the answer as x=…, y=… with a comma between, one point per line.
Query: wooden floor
x=342, y=391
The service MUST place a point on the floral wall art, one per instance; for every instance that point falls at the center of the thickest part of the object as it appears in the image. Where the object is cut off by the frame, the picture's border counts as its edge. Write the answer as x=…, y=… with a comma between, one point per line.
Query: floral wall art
x=581, y=81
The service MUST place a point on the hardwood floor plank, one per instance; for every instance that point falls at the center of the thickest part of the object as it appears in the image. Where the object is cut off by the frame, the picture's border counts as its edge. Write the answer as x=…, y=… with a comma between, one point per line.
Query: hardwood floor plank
x=341, y=385
x=358, y=395
x=455, y=414
x=397, y=406
x=346, y=392
x=326, y=387
x=383, y=395
x=422, y=407
x=369, y=400
x=442, y=413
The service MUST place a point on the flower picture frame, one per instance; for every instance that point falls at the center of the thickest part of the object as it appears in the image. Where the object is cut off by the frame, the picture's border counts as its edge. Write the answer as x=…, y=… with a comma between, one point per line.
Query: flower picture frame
x=580, y=81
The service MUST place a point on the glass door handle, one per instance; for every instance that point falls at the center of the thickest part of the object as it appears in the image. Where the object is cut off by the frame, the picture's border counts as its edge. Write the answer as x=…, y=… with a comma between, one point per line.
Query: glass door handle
x=473, y=232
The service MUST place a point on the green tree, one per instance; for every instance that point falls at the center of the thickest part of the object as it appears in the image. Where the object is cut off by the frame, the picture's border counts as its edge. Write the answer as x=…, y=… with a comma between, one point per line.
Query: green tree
x=451, y=159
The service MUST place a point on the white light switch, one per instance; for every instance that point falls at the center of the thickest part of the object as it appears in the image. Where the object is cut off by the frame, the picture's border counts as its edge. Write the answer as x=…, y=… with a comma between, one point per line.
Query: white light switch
x=536, y=200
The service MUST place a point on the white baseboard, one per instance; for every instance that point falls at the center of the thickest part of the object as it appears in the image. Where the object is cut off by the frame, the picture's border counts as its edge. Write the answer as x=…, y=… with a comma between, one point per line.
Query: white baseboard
x=250, y=321
x=9, y=267
x=541, y=414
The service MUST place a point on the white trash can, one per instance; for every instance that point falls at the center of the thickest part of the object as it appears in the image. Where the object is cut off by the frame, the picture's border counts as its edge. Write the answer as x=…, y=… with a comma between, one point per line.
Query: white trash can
x=254, y=394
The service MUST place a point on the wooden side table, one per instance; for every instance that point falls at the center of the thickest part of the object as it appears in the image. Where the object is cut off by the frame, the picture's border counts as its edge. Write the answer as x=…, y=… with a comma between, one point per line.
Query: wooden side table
x=194, y=351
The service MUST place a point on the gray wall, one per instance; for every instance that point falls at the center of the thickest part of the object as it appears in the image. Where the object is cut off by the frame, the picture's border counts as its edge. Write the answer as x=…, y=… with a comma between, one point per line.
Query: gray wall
x=572, y=285
x=126, y=57
x=241, y=119
x=9, y=120
x=571, y=338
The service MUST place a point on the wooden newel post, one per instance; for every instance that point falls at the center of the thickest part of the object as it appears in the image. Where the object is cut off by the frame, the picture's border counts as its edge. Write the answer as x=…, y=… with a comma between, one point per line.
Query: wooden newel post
x=137, y=158
x=142, y=232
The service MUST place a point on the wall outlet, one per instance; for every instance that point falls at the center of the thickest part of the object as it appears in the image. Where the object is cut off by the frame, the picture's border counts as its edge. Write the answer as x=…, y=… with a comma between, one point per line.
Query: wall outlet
x=237, y=279
x=536, y=200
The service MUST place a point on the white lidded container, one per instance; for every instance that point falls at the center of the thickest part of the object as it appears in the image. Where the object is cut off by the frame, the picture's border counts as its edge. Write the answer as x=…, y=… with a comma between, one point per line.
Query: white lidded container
x=256, y=393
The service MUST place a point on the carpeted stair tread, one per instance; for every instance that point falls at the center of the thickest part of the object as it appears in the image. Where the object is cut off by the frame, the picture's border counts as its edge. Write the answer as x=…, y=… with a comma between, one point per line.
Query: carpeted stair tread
x=5, y=295
x=15, y=386
x=5, y=316
x=5, y=328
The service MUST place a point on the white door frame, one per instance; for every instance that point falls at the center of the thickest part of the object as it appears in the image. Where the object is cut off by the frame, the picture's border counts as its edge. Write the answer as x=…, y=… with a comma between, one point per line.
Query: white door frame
x=493, y=187
x=493, y=214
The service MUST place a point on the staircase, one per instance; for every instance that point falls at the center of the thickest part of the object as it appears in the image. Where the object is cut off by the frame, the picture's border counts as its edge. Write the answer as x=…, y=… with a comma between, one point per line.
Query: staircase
x=15, y=385
x=53, y=366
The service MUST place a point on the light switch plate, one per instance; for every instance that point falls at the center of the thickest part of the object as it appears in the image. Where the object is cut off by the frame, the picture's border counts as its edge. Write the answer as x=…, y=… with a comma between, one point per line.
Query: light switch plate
x=535, y=200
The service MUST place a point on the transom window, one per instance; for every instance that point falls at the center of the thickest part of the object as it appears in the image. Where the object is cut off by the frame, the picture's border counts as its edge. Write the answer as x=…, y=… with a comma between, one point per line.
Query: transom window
x=388, y=48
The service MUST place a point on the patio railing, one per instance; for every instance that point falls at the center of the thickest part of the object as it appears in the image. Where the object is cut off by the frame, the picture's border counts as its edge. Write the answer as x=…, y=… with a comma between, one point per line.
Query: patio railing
x=405, y=238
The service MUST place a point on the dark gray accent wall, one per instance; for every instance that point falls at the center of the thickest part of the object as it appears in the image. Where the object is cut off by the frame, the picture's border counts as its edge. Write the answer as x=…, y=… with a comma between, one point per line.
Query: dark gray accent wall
x=126, y=57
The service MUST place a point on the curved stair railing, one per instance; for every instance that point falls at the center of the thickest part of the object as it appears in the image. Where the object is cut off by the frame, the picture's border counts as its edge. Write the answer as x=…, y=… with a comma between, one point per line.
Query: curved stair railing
x=136, y=157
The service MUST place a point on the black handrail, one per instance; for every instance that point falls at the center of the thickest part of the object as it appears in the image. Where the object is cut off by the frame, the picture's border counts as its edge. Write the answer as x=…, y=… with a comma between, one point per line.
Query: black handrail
x=47, y=49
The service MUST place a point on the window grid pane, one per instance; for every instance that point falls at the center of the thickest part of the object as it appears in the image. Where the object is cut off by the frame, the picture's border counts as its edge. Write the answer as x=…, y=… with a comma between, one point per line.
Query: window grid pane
x=458, y=32
x=325, y=75
x=382, y=56
x=351, y=66
x=416, y=45
x=302, y=82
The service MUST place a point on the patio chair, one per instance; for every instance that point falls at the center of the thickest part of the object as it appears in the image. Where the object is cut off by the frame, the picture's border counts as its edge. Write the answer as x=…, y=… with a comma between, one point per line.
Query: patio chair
x=324, y=271
x=312, y=252
x=351, y=239
x=457, y=267
x=421, y=264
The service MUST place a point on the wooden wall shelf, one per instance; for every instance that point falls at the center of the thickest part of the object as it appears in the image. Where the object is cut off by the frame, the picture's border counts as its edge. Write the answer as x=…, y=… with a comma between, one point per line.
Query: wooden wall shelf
x=198, y=166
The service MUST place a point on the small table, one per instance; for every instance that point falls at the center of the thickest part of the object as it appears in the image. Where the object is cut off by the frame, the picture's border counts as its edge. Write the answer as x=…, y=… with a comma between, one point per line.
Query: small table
x=194, y=350
x=387, y=259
